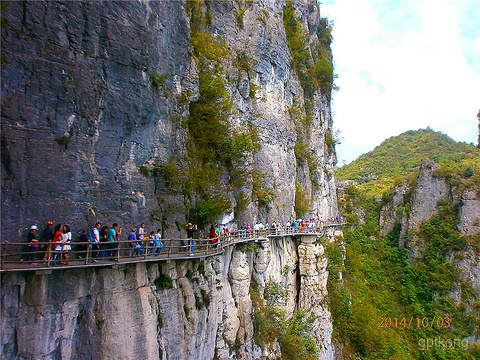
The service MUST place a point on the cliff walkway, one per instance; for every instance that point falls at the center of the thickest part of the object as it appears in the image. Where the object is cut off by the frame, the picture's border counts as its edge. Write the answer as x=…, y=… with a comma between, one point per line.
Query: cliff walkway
x=83, y=255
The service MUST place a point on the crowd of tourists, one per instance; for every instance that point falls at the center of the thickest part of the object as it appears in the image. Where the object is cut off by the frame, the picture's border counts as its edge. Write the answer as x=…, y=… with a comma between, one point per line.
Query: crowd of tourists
x=291, y=226
x=102, y=242
x=59, y=239
x=301, y=224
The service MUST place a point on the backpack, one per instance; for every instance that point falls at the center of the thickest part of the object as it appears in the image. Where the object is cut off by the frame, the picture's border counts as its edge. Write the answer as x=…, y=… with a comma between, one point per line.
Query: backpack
x=90, y=237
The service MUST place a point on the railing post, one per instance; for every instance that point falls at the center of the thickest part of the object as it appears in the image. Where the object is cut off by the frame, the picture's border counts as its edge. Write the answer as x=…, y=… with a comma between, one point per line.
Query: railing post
x=87, y=253
x=49, y=253
x=4, y=253
x=118, y=250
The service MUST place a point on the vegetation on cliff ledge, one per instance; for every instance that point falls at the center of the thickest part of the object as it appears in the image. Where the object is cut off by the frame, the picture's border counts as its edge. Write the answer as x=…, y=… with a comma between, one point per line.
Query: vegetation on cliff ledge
x=312, y=63
x=271, y=325
x=212, y=166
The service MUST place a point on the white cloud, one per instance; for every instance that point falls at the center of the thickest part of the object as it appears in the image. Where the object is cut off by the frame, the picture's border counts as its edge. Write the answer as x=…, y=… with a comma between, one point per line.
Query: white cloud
x=395, y=77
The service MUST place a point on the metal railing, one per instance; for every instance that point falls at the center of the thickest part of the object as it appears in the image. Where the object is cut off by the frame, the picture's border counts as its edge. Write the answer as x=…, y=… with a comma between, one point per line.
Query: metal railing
x=23, y=256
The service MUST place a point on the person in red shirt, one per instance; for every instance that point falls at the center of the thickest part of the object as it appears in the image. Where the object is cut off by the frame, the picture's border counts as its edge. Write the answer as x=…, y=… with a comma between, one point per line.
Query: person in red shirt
x=57, y=244
x=212, y=234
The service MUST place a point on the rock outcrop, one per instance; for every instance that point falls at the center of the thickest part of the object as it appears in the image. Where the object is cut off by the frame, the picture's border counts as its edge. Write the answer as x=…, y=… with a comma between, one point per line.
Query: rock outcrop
x=413, y=205
x=196, y=309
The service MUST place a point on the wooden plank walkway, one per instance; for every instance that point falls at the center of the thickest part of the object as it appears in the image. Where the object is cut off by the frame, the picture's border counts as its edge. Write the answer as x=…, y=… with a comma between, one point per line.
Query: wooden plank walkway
x=173, y=249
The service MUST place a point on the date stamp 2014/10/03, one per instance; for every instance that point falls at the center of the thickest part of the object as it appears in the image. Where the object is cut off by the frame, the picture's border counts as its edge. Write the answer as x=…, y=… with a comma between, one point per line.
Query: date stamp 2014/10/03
x=414, y=322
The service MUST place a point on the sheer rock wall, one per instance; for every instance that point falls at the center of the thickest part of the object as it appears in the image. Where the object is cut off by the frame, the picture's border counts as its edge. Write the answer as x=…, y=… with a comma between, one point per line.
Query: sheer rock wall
x=424, y=195
x=81, y=115
x=131, y=312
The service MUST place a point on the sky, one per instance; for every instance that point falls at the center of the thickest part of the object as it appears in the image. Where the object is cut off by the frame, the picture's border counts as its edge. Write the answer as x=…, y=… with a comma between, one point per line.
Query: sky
x=403, y=65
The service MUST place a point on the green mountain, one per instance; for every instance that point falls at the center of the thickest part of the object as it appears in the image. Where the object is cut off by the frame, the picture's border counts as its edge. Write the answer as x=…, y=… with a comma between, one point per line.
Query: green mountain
x=401, y=155
x=397, y=282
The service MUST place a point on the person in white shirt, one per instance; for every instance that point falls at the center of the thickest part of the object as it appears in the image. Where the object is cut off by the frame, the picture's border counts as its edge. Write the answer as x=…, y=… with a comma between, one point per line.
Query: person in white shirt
x=141, y=232
x=66, y=239
x=256, y=227
x=96, y=242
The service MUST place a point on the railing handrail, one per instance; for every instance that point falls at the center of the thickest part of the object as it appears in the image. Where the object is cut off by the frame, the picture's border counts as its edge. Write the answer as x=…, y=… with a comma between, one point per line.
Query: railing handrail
x=173, y=248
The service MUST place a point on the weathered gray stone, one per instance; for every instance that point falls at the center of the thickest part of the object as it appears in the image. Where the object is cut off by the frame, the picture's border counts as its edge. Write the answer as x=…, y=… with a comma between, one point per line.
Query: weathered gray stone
x=123, y=313
x=78, y=73
x=470, y=213
x=80, y=114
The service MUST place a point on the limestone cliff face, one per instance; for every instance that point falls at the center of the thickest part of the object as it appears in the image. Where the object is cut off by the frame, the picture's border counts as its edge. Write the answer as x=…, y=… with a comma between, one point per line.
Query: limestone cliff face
x=95, y=95
x=422, y=199
x=425, y=195
x=81, y=112
x=196, y=309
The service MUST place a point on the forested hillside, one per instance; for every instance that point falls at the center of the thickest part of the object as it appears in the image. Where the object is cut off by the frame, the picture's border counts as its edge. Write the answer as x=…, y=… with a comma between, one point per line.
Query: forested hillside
x=406, y=283
x=401, y=155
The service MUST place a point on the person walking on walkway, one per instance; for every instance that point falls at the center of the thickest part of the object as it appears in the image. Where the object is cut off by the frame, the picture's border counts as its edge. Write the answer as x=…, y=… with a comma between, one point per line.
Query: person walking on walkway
x=158, y=242
x=103, y=242
x=141, y=233
x=112, y=244
x=243, y=229
x=95, y=243
x=191, y=229
x=56, y=248
x=212, y=235
x=47, y=238
x=137, y=245
x=31, y=248
x=66, y=239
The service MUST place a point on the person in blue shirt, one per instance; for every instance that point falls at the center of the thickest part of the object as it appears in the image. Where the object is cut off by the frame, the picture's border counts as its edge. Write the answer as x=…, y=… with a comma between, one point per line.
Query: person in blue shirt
x=112, y=241
x=137, y=245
